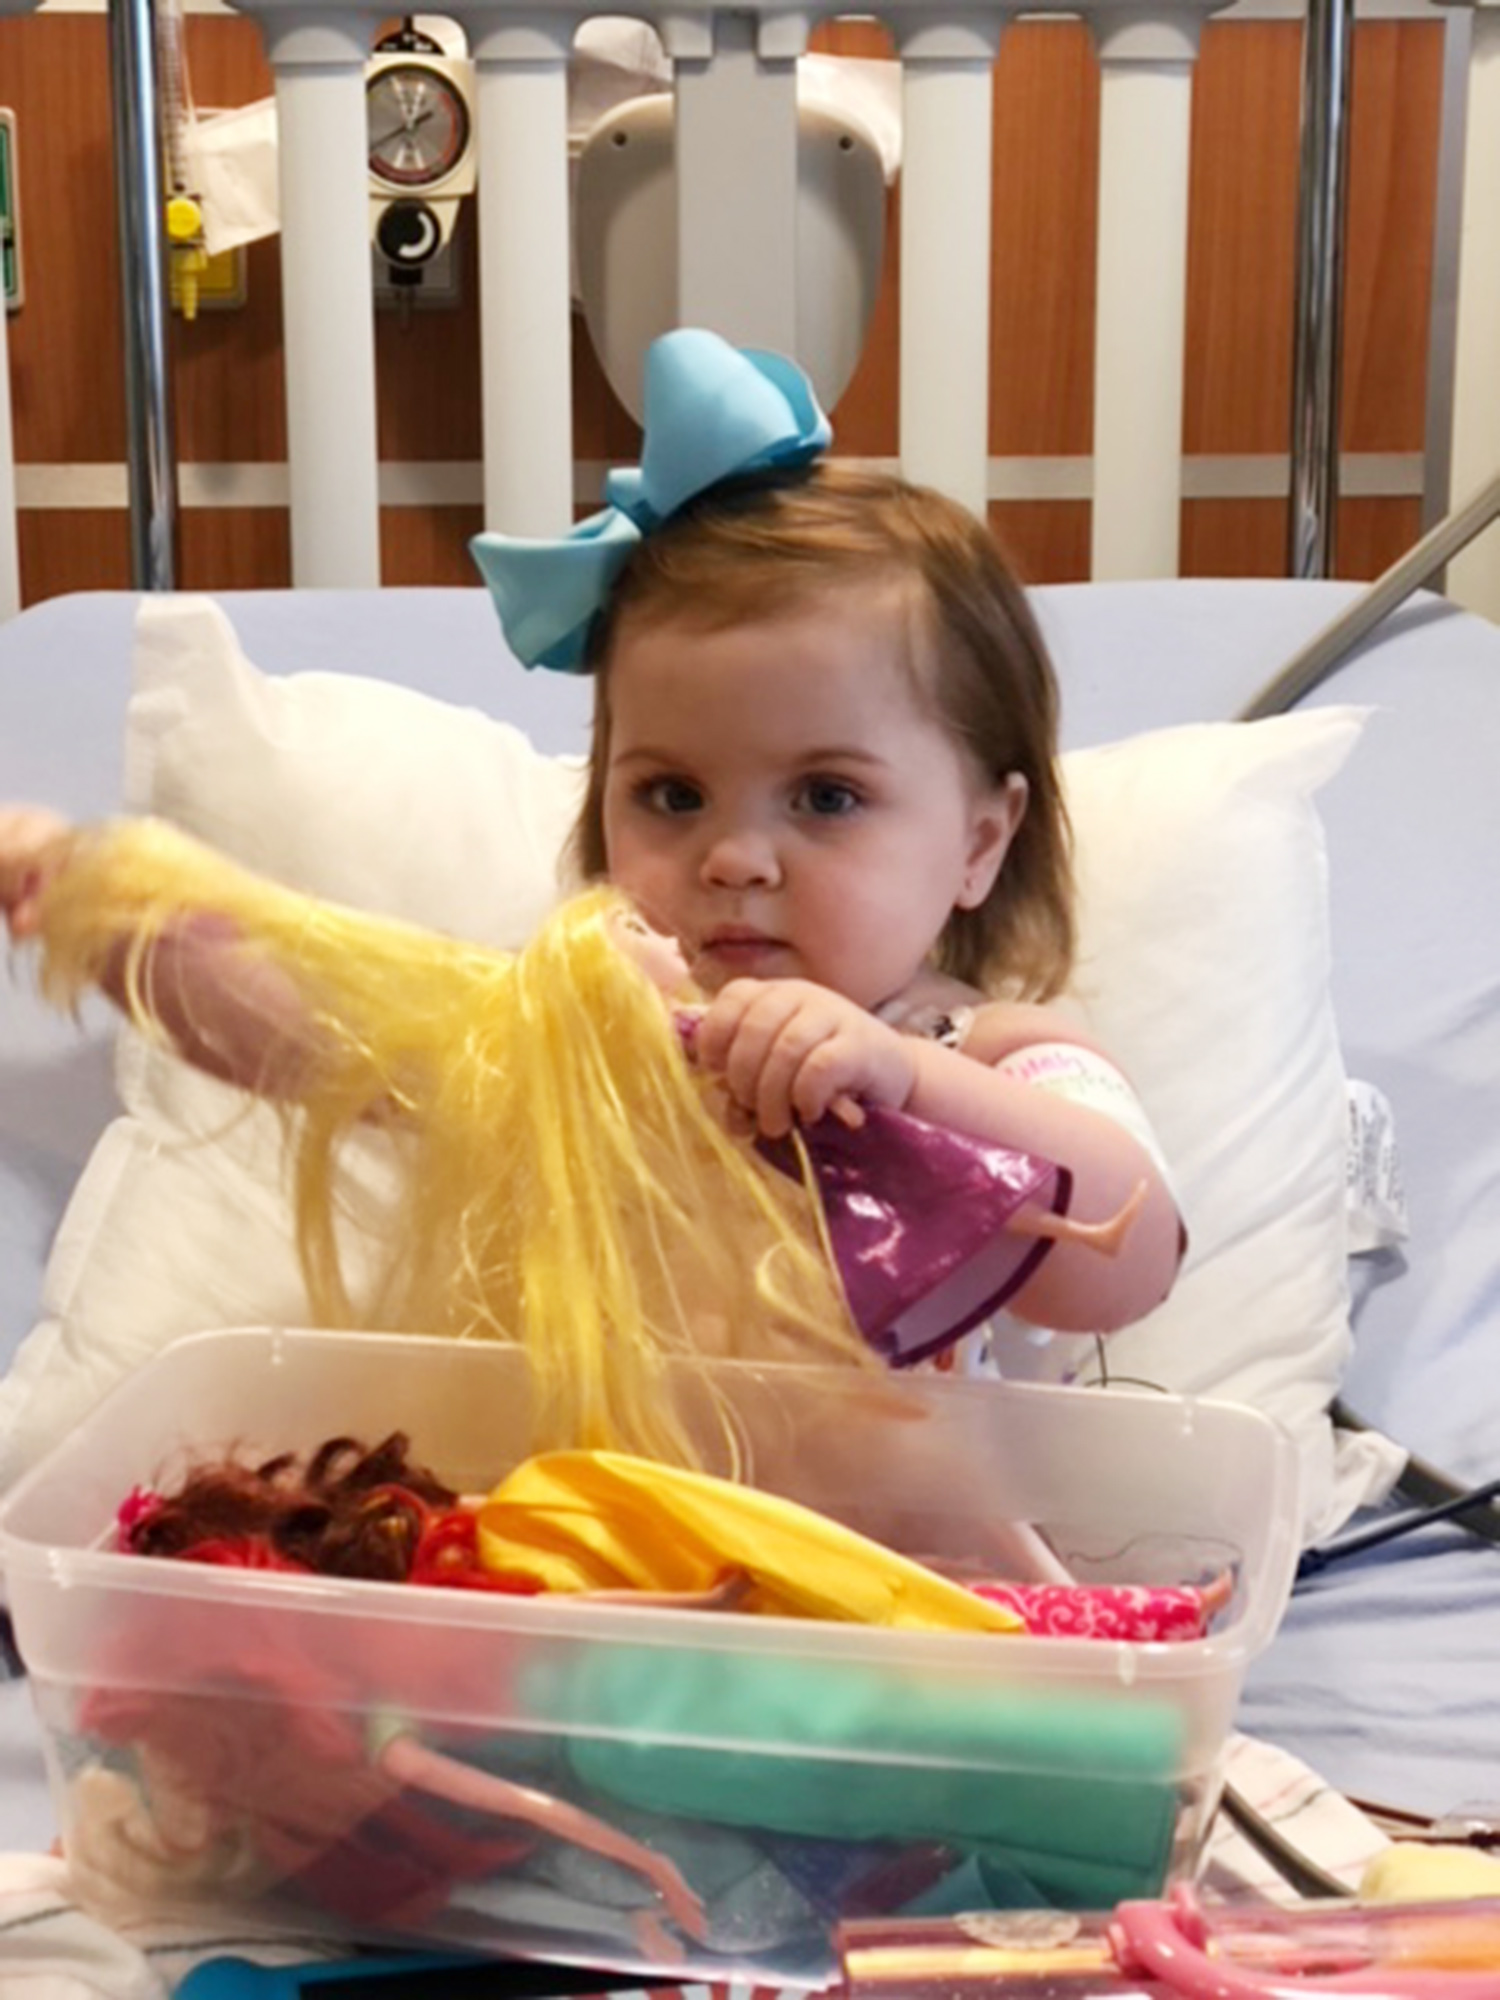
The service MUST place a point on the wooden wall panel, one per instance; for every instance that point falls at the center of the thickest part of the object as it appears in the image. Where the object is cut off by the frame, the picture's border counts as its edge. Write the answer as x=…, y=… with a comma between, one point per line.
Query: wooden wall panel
x=1242, y=235
x=1237, y=382
x=428, y=544
x=1248, y=537
x=1398, y=78
x=228, y=384
x=228, y=381
x=229, y=396
x=67, y=387
x=1047, y=541
x=235, y=548
x=602, y=427
x=1046, y=226
x=82, y=549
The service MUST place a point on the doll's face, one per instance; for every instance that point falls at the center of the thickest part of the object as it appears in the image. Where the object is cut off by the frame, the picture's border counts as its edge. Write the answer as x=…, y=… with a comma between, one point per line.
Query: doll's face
x=779, y=799
x=658, y=955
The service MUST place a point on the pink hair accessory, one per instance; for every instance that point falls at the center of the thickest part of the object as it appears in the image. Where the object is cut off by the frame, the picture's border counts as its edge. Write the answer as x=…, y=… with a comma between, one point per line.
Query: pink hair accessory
x=1167, y=1942
x=139, y=1504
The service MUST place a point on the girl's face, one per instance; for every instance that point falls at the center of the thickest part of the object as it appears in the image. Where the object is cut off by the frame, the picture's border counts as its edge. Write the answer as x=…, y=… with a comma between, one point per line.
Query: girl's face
x=778, y=799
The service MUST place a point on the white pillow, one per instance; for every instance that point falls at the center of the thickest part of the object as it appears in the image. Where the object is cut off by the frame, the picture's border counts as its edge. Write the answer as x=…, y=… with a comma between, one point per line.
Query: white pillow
x=349, y=788
x=1204, y=967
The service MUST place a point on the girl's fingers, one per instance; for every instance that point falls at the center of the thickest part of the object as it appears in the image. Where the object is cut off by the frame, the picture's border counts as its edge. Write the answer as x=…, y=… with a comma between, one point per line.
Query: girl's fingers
x=719, y=1022
x=782, y=1087
x=32, y=840
x=761, y=1061
x=769, y=1041
x=817, y=1082
x=739, y=1028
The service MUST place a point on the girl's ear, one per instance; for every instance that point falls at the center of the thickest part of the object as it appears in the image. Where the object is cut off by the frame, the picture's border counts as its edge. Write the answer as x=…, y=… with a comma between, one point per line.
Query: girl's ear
x=993, y=825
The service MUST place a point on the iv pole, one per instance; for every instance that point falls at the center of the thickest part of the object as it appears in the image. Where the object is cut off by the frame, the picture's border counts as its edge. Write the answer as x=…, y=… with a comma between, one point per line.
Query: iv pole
x=1322, y=204
x=140, y=212
x=1322, y=216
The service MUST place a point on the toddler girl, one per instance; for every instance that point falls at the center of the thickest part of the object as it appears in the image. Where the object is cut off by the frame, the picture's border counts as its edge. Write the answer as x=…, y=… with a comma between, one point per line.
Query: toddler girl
x=824, y=761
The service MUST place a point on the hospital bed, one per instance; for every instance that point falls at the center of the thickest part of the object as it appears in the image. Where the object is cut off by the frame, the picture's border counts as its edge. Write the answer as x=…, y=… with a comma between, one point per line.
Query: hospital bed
x=1382, y=1678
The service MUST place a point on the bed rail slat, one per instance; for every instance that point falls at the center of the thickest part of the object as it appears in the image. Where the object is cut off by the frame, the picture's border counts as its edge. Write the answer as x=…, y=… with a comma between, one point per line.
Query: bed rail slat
x=10, y=562
x=947, y=115
x=1474, y=577
x=10, y=559
x=329, y=314
x=526, y=381
x=1145, y=119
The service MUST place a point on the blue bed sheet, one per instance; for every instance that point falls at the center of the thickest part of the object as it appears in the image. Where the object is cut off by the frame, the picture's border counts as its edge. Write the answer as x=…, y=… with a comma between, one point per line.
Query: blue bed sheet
x=1384, y=1676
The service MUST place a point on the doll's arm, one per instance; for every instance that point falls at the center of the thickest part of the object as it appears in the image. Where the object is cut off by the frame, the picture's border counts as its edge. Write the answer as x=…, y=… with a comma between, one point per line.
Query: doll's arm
x=1011, y=1083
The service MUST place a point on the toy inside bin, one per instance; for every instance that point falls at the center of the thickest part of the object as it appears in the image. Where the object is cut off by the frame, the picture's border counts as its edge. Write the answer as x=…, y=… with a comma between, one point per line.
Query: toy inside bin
x=737, y=1785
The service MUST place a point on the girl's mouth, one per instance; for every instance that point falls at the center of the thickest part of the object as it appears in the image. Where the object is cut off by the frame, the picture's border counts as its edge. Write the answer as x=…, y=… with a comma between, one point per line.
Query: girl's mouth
x=741, y=951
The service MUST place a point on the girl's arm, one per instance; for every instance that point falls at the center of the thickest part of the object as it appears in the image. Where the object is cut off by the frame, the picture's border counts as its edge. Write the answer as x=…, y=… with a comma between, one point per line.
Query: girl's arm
x=788, y=1049
x=1010, y=1082
x=239, y=1019
x=34, y=843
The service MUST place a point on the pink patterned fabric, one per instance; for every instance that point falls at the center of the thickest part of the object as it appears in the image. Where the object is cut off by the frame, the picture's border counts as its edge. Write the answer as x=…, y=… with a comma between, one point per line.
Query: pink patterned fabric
x=1134, y=1611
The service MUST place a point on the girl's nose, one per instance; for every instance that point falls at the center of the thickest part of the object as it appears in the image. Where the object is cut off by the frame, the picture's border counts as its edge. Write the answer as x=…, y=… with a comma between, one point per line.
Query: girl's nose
x=740, y=858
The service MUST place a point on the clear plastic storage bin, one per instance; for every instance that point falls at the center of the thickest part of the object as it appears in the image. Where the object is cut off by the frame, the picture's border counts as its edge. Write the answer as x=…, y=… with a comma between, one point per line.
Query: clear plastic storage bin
x=687, y=1792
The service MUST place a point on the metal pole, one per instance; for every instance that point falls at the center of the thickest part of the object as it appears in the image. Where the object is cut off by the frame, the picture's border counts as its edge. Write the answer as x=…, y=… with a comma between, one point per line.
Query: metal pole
x=10, y=554
x=1322, y=209
x=1310, y=667
x=141, y=215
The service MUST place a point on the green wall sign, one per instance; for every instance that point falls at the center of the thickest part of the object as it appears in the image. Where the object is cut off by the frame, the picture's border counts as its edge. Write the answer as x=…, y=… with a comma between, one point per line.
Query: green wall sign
x=10, y=233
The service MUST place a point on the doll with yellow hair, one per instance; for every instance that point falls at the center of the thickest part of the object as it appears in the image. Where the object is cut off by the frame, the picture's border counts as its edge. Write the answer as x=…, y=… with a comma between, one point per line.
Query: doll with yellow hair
x=556, y=1144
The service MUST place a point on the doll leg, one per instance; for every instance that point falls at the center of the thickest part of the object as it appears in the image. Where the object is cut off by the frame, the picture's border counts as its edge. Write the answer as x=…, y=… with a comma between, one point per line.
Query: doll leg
x=408, y=1762
x=1106, y=1237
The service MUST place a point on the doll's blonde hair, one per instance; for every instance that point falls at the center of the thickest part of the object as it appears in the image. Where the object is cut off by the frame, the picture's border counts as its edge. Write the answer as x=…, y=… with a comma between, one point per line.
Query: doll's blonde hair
x=568, y=1186
x=759, y=548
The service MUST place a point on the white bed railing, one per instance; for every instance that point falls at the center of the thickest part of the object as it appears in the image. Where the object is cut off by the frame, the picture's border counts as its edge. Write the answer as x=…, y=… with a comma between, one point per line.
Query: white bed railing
x=734, y=72
x=10, y=555
x=1474, y=575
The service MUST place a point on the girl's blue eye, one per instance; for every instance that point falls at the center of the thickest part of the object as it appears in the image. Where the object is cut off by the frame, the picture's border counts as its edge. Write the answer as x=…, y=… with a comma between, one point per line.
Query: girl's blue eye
x=827, y=798
x=671, y=796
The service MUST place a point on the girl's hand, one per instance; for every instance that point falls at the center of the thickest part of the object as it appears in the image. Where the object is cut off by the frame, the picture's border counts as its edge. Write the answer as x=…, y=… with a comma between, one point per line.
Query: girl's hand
x=787, y=1049
x=33, y=846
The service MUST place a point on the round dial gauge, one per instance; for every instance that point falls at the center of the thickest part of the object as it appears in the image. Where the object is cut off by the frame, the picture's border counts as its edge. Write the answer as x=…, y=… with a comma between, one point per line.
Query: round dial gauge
x=418, y=125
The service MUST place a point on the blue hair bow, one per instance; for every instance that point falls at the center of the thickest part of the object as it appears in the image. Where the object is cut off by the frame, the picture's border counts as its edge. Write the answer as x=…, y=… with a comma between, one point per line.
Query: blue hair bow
x=712, y=411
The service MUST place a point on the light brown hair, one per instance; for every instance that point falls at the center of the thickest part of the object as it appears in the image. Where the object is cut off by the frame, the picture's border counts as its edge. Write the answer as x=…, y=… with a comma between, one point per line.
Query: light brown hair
x=760, y=548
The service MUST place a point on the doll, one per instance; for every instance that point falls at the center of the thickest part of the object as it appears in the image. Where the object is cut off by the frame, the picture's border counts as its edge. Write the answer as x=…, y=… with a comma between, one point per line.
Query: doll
x=608, y=1527
x=554, y=1144
x=570, y=1181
